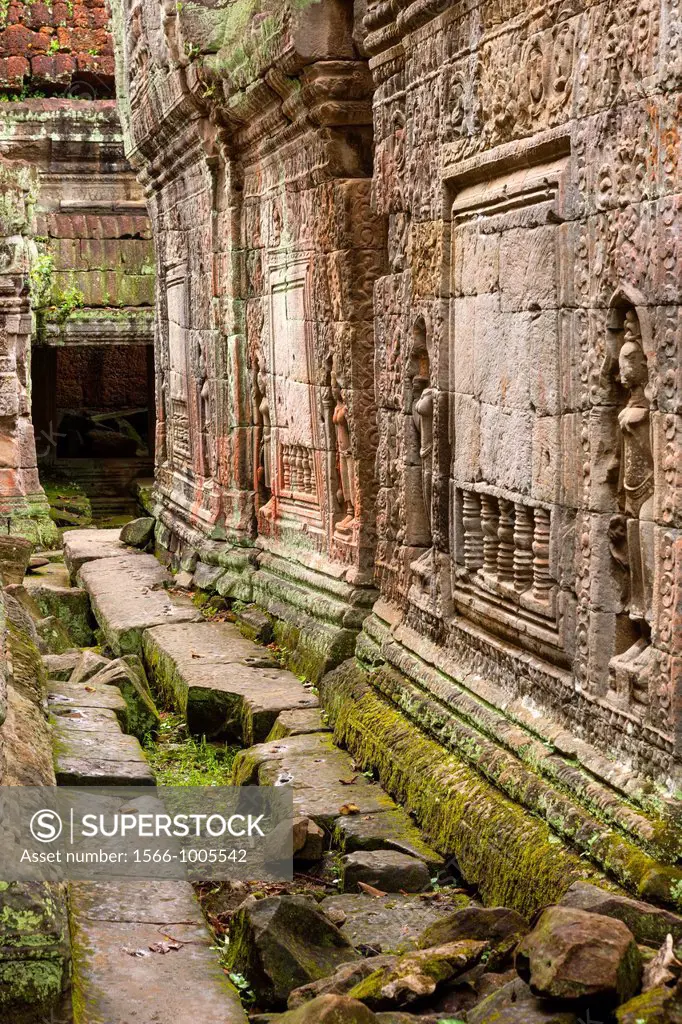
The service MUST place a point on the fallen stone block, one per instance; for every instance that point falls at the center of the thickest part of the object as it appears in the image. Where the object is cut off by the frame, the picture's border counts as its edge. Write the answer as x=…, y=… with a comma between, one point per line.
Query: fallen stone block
x=225, y=685
x=325, y=785
x=128, y=596
x=60, y=666
x=650, y=925
x=89, y=665
x=138, y=533
x=111, y=921
x=256, y=625
x=660, y=1005
x=572, y=954
x=55, y=639
x=309, y=840
x=393, y=829
x=501, y=927
x=81, y=546
x=71, y=606
x=67, y=696
x=297, y=722
x=129, y=676
x=387, y=870
x=388, y=924
x=106, y=757
x=514, y=1003
x=329, y=1010
x=344, y=978
x=417, y=975
x=283, y=942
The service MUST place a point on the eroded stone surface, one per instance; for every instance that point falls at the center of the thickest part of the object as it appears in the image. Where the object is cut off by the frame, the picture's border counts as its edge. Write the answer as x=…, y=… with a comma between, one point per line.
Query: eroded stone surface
x=81, y=546
x=387, y=924
x=282, y=942
x=571, y=954
x=127, y=597
x=223, y=682
x=388, y=870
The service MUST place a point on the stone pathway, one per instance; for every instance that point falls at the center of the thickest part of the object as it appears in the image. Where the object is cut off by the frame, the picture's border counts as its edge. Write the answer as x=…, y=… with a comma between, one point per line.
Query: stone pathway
x=117, y=979
x=227, y=686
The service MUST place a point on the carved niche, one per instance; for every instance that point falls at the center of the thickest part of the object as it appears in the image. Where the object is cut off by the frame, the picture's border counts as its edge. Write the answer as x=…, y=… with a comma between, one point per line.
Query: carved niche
x=505, y=384
x=292, y=455
x=179, y=446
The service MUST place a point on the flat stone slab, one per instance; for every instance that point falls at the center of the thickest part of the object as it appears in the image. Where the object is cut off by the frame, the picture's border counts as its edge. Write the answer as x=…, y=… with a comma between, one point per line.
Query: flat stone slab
x=107, y=744
x=298, y=722
x=393, y=829
x=387, y=924
x=81, y=546
x=75, y=771
x=111, y=922
x=135, y=900
x=225, y=684
x=62, y=696
x=324, y=783
x=127, y=597
x=103, y=757
x=83, y=719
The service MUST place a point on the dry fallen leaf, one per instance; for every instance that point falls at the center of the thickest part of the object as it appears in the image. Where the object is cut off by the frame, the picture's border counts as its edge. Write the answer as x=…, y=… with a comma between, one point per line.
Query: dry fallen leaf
x=164, y=947
x=348, y=782
x=90, y=689
x=370, y=890
x=349, y=809
x=135, y=952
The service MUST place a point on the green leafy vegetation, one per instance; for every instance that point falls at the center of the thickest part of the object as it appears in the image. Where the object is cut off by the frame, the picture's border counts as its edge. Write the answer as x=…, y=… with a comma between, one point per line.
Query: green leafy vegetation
x=180, y=760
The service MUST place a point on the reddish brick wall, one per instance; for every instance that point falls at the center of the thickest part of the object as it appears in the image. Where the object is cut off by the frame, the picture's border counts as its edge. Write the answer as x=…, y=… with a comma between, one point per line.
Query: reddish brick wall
x=102, y=378
x=65, y=47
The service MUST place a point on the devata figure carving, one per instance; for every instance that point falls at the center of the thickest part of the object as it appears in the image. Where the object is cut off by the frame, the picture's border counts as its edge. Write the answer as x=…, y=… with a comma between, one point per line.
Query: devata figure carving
x=266, y=428
x=346, y=492
x=422, y=414
x=636, y=483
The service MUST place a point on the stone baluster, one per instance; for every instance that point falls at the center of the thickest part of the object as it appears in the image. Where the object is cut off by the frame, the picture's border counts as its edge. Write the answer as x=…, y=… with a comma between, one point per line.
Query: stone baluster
x=523, y=548
x=307, y=470
x=542, y=581
x=489, y=518
x=298, y=468
x=286, y=467
x=473, y=535
x=505, y=539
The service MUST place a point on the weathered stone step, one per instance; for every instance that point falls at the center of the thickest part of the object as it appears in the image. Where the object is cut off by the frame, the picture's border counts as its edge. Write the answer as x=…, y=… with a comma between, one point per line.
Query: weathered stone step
x=128, y=596
x=63, y=697
x=337, y=797
x=90, y=747
x=118, y=979
x=81, y=546
x=225, y=684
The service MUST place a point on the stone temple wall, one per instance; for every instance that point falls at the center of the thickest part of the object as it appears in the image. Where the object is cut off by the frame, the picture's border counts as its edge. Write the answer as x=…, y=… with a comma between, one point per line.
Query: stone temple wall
x=418, y=331
x=89, y=275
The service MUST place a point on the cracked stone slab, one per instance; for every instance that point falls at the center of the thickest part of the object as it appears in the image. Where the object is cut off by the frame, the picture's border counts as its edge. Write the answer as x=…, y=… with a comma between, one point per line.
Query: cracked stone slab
x=111, y=986
x=319, y=773
x=128, y=596
x=226, y=685
x=79, y=771
x=144, y=901
x=387, y=924
x=105, y=757
x=83, y=719
x=81, y=546
x=64, y=696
